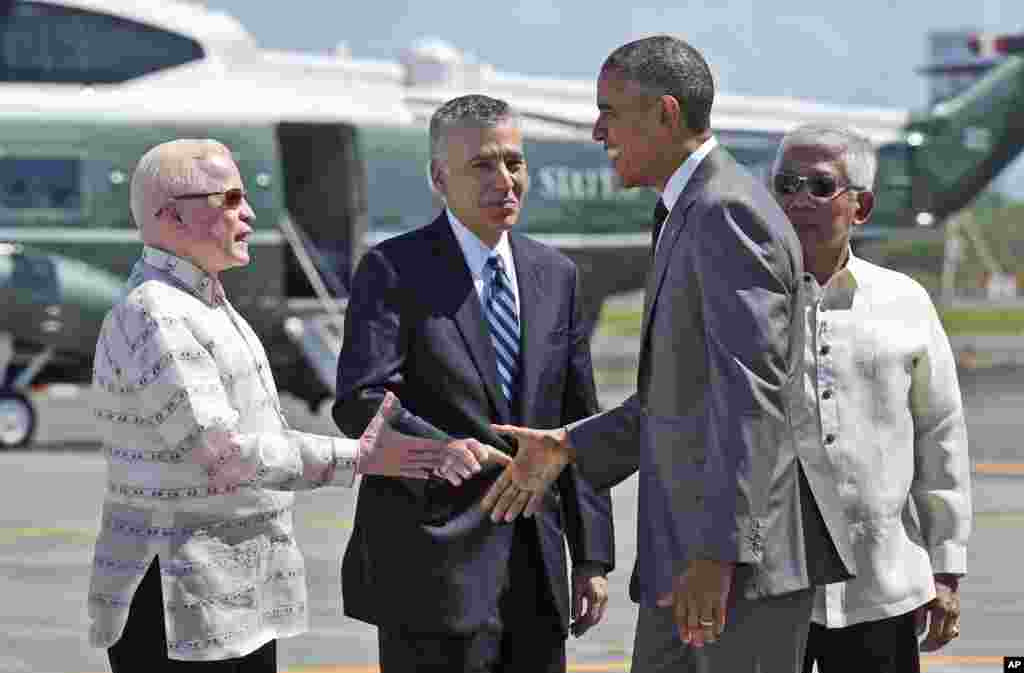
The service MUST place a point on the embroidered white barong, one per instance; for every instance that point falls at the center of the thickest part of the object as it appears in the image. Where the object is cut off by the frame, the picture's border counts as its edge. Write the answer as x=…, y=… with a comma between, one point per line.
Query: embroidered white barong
x=176, y=365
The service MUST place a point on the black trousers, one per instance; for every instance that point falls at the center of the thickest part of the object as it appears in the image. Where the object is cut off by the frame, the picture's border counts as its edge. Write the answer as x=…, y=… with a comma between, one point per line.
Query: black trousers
x=534, y=650
x=143, y=645
x=882, y=646
x=526, y=636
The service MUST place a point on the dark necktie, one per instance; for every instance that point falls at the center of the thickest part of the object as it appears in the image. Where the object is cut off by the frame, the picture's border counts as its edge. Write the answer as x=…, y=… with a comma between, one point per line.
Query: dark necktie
x=503, y=322
x=660, y=213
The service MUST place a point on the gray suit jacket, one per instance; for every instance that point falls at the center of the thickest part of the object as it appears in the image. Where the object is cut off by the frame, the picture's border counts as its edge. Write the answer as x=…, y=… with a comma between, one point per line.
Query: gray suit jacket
x=722, y=473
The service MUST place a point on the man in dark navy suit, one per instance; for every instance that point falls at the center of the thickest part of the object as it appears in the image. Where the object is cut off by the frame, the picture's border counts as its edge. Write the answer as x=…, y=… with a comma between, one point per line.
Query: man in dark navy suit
x=471, y=324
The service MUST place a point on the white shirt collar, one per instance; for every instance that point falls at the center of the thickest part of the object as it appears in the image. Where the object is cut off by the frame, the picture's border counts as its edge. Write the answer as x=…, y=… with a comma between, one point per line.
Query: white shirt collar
x=187, y=274
x=679, y=179
x=476, y=253
x=840, y=289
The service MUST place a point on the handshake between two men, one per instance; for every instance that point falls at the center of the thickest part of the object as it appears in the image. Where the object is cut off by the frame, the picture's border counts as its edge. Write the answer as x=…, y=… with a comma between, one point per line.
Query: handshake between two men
x=699, y=595
x=230, y=461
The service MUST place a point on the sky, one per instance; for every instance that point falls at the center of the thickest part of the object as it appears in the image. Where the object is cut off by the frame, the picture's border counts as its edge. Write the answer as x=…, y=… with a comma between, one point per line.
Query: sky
x=863, y=52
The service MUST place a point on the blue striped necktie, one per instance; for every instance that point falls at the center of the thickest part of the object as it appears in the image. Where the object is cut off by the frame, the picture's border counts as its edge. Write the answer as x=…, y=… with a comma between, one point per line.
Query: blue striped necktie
x=503, y=321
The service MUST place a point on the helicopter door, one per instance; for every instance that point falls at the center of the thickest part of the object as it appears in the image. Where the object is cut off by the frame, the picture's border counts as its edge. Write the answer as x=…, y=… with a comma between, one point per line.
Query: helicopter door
x=325, y=196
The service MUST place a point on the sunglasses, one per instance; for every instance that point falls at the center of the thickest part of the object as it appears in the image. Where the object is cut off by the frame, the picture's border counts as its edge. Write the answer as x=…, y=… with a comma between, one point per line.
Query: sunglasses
x=821, y=186
x=229, y=198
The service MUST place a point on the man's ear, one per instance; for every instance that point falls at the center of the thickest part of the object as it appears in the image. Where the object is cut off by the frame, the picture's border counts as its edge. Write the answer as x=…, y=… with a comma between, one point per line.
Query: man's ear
x=439, y=176
x=171, y=212
x=671, y=111
x=865, y=206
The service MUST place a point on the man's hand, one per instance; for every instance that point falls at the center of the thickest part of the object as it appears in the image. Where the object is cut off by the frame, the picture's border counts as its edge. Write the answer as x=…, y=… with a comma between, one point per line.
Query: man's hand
x=943, y=613
x=541, y=457
x=220, y=453
x=699, y=598
x=464, y=458
x=385, y=452
x=589, y=597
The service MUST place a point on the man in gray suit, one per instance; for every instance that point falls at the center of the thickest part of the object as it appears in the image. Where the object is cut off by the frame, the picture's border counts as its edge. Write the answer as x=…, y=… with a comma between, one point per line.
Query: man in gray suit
x=738, y=516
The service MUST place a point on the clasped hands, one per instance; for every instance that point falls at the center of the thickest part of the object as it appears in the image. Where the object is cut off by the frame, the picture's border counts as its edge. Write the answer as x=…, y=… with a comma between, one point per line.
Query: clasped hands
x=699, y=595
x=387, y=452
x=229, y=460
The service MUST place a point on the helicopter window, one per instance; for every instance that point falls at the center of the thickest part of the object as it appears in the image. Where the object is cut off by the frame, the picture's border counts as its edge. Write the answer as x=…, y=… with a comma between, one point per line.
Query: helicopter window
x=46, y=43
x=31, y=183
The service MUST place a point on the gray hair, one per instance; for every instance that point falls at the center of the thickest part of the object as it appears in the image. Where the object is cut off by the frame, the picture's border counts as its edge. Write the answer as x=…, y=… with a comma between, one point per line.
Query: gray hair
x=662, y=65
x=472, y=111
x=854, y=150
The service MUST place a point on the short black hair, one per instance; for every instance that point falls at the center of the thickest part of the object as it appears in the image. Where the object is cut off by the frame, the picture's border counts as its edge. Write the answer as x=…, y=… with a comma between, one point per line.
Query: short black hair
x=663, y=64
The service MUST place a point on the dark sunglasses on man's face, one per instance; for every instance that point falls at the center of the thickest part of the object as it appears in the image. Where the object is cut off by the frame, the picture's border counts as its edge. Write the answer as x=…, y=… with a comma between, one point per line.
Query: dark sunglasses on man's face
x=820, y=186
x=228, y=199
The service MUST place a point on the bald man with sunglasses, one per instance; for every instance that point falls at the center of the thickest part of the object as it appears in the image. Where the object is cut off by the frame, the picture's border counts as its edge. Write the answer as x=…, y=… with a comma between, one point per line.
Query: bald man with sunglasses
x=880, y=394
x=196, y=565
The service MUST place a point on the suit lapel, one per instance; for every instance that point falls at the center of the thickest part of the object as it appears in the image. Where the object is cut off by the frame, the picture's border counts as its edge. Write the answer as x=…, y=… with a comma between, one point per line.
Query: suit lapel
x=670, y=235
x=469, y=318
x=536, y=319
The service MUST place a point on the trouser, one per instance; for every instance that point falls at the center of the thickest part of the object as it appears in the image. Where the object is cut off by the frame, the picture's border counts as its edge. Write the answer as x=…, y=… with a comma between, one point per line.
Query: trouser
x=487, y=651
x=881, y=646
x=525, y=636
x=143, y=644
x=767, y=635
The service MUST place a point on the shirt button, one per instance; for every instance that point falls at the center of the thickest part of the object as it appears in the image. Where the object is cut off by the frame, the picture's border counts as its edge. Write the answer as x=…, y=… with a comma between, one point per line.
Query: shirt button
x=829, y=438
x=826, y=395
x=825, y=349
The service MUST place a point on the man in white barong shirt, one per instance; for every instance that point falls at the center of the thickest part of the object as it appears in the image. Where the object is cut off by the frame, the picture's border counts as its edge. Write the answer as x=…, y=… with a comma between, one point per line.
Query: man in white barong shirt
x=196, y=561
x=881, y=394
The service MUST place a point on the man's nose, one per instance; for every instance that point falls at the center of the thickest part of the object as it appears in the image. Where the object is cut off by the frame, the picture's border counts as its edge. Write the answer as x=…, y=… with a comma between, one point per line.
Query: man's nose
x=505, y=178
x=599, y=134
x=801, y=199
x=246, y=213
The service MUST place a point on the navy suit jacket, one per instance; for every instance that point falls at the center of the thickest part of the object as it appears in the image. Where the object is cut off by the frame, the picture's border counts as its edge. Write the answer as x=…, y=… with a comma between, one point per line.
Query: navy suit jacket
x=422, y=555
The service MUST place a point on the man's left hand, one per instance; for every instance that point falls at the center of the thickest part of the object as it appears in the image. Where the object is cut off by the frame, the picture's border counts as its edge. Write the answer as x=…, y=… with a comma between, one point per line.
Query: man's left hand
x=589, y=597
x=942, y=614
x=699, y=599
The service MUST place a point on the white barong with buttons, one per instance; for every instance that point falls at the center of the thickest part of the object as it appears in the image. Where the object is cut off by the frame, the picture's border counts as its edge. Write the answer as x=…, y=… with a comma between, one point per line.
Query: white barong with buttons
x=881, y=392
x=176, y=364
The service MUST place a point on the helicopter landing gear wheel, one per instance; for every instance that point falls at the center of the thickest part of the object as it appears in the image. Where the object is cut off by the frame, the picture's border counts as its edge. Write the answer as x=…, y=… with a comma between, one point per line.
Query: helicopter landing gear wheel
x=17, y=420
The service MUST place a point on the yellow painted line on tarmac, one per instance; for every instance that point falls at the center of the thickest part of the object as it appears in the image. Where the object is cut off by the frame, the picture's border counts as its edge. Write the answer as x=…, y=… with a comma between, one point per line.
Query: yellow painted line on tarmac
x=929, y=660
x=622, y=666
x=606, y=667
x=13, y=535
x=1000, y=469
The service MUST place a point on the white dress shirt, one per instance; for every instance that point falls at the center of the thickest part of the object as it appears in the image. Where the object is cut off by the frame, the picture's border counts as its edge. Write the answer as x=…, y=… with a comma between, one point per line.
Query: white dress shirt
x=681, y=177
x=476, y=255
x=881, y=392
x=175, y=363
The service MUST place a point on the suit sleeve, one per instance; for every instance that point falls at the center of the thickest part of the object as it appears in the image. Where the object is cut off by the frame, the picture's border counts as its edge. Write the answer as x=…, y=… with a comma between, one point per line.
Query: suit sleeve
x=941, y=485
x=747, y=285
x=588, y=509
x=374, y=350
x=608, y=444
